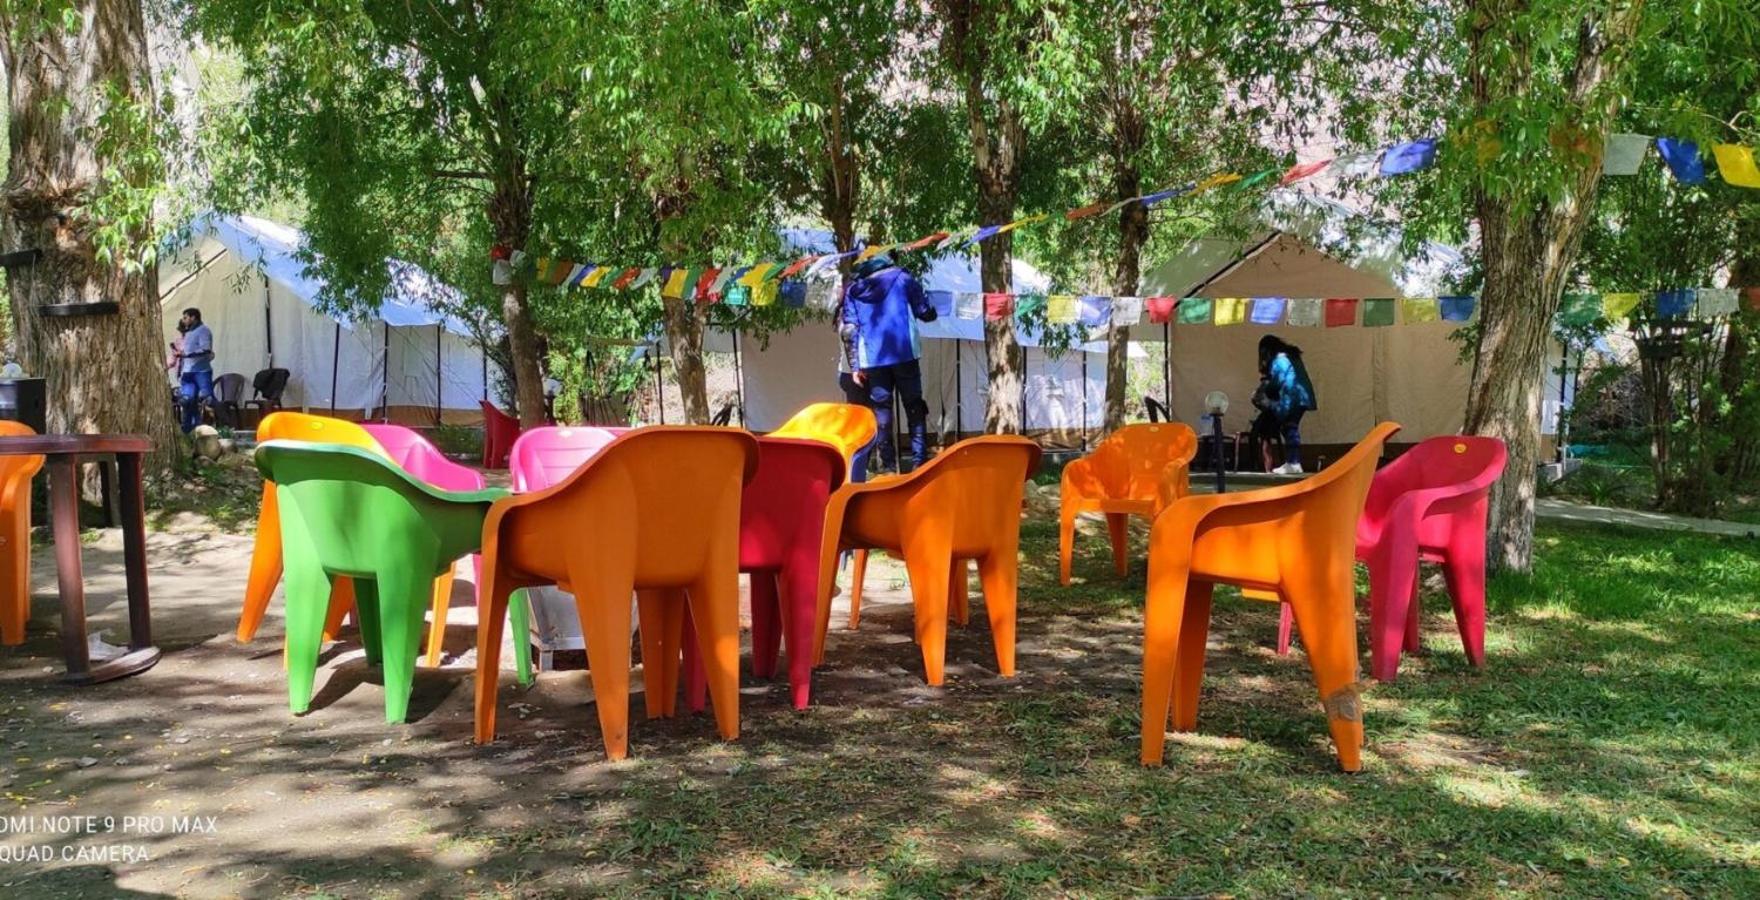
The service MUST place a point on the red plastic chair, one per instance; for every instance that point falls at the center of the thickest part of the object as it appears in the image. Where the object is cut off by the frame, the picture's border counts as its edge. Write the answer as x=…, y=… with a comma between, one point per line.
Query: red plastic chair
x=781, y=524
x=1429, y=505
x=417, y=456
x=500, y=430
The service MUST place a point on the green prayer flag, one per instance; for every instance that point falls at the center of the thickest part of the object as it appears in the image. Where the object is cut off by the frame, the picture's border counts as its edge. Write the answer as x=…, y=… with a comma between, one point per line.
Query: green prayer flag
x=737, y=295
x=1027, y=304
x=1377, y=312
x=1255, y=179
x=1578, y=310
x=1194, y=311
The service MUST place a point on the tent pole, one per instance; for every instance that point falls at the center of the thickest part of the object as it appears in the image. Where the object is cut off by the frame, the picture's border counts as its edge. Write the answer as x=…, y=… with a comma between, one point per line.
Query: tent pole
x=739, y=379
x=439, y=372
x=1167, y=366
x=484, y=356
x=1023, y=390
x=959, y=418
x=385, y=377
x=1084, y=352
x=659, y=386
x=335, y=355
x=268, y=322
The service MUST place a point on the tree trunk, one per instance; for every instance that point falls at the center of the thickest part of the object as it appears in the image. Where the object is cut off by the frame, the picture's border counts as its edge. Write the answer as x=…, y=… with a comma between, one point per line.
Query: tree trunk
x=104, y=372
x=1529, y=244
x=1737, y=370
x=998, y=149
x=523, y=343
x=1133, y=232
x=684, y=331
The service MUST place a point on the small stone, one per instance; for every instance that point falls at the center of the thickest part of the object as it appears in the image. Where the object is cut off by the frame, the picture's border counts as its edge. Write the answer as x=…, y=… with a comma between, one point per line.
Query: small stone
x=86, y=762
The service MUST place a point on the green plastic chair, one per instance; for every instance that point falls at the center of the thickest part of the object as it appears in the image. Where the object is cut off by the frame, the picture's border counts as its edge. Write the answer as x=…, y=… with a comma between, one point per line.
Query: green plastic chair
x=348, y=512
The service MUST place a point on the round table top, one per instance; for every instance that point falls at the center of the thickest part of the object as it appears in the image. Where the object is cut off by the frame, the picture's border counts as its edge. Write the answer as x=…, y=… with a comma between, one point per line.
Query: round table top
x=74, y=444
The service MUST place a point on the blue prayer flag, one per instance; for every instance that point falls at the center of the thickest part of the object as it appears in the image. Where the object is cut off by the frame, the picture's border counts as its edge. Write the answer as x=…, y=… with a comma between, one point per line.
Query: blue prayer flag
x=1267, y=310
x=793, y=293
x=1683, y=159
x=1096, y=311
x=988, y=231
x=1408, y=157
x=1456, y=309
x=942, y=301
x=1675, y=304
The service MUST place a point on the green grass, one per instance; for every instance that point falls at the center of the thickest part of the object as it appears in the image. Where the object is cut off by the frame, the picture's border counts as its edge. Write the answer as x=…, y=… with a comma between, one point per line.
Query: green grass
x=1611, y=747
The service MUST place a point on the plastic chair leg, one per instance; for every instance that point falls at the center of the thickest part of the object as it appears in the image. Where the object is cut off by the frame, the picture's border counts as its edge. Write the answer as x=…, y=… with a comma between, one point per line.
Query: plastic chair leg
x=341, y=604
x=308, y=594
x=661, y=616
x=714, y=606
x=999, y=574
x=1464, y=570
x=766, y=623
x=696, y=680
x=1393, y=573
x=1066, y=540
x=15, y=572
x=857, y=573
x=601, y=597
x=1188, y=665
x=1284, y=621
x=959, y=601
x=265, y=568
x=1118, y=531
x=1325, y=612
x=1415, y=613
x=797, y=582
x=519, y=613
x=930, y=568
x=403, y=596
x=1163, y=615
x=367, y=614
x=442, y=599
x=490, y=618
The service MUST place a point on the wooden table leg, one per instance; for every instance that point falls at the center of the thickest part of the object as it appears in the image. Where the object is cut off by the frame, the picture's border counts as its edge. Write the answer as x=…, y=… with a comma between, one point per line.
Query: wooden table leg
x=64, y=515
x=134, y=550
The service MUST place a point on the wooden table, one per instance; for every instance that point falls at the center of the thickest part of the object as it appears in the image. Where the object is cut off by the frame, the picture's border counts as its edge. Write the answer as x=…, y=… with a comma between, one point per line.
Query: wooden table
x=65, y=454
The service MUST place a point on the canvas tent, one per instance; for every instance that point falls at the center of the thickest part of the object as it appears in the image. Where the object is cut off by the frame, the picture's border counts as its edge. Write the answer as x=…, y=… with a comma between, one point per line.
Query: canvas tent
x=405, y=363
x=1064, y=392
x=1410, y=373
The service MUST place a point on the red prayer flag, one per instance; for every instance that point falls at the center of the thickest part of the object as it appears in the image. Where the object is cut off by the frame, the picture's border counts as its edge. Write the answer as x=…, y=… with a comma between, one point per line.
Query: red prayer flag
x=922, y=242
x=1092, y=209
x=796, y=266
x=1160, y=309
x=1752, y=296
x=706, y=281
x=1305, y=170
x=998, y=306
x=1341, y=311
x=628, y=276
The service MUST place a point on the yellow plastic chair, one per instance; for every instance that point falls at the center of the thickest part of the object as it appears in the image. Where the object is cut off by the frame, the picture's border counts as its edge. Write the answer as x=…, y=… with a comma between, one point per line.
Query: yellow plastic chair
x=1295, y=543
x=846, y=426
x=1121, y=478
x=16, y=473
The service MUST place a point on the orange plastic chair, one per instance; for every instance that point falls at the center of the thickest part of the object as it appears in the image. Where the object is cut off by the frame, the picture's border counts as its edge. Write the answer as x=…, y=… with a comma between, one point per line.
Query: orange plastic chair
x=846, y=426
x=1295, y=543
x=16, y=473
x=656, y=511
x=266, y=559
x=961, y=506
x=1121, y=478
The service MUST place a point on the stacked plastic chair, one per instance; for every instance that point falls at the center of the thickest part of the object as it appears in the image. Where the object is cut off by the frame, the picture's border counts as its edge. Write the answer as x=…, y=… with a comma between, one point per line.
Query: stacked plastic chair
x=846, y=426
x=500, y=430
x=1294, y=542
x=349, y=512
x=964, y=505
x=1121, y=478
x=657, y=512
x=1428, y=505
x=16, y=473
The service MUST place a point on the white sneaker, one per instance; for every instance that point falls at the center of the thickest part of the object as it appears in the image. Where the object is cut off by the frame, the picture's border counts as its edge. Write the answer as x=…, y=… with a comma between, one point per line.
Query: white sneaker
x=1288, y=468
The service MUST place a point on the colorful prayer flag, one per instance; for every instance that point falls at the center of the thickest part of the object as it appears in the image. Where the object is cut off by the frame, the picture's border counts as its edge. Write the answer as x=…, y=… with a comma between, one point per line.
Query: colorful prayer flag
x=706, y=281
x=1255, y=179
x=1624, y=154
x=1357, y=165
x=1674, y=304
x=1267, y=310
x=765, y=293
x=1028, y=305
x=872, y=251
x=1060, y=309
x=1579, y=310
x=1083, y=212
x=623, y=280
x=574, y=274
x=541, y=269
x=983, y=234
x=1618, y=306
x=1340, y=312
x=1306, y=312
x=1377, y=312
x=1096, y=311
x=968, y=305
x=1456, y=309
x=795, y=267
x=1230, y=310
x=1028, y=220
x=1717, y=302
x=1736, y=164
x=1194, y=311
x=1301, y=171
x=922, y=242
x=942, y=301
x=1408, y=157
x=1127, y=310
x=956, y=236
x=1418, y=309
x=597, y=275
x=1160, y=309
x=1683, y=159
x=755, y=275
x=1214, y=181
x=793, y=293
x=1169, y=194
x=998, y=307
x=1751, y=298
x=737, y=295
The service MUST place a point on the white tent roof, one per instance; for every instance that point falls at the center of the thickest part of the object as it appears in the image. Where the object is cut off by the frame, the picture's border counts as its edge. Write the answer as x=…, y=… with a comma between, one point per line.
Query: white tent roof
x=275, y=250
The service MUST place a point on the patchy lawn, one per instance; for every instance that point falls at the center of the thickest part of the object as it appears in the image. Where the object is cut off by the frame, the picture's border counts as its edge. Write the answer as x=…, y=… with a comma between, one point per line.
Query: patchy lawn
x=1612, y=746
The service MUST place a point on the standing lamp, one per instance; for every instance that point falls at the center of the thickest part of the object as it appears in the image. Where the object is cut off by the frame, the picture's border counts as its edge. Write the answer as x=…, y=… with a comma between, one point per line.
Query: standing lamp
x=1217, y=404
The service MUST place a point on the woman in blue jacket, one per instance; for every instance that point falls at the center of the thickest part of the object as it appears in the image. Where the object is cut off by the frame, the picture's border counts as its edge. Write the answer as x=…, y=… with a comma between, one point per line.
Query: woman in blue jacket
x=1285, y=394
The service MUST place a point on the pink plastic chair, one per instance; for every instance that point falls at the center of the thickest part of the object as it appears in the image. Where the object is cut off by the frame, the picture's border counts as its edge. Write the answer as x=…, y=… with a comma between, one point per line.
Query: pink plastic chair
x=1428, y=505
x=422, y=459
x=781, y=522
x=544, y=456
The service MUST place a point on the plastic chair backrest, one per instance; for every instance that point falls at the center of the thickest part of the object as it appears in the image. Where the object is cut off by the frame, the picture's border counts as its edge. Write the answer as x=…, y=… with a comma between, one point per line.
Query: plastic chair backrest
x=345, y=496
x=1467, y=461
x=1131, y=462
x=295, y=426
x=419, y=457
x=268, y=384
x=17, y=467
x=229, y=388
x=1157, y=412
x=846, y=426
x=1320, y=511
x=786, y=498
x=962, y=482
x=547, y=455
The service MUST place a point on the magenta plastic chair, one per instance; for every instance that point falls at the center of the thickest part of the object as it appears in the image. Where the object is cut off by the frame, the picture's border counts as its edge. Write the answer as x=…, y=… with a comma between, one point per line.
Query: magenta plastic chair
x=781, y=522
x=417, y=456
x=1428, y=505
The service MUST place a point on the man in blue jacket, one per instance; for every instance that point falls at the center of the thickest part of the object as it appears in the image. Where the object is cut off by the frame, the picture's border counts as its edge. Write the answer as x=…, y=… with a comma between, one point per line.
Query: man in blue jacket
x=878, y=324
x=195, y=367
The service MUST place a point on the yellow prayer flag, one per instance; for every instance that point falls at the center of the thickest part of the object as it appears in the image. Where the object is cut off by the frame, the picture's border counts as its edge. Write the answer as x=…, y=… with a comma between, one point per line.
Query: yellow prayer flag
x=1217, y=180
x=1736, y=163
x=1061, y=309
x=1419, y=309
x=1619, y=306
x=674, y=286
x=1231, y=310
x=756, y=274
x=593, y=278
x=764, y=294
x=873, y=251
x=1019, y=222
